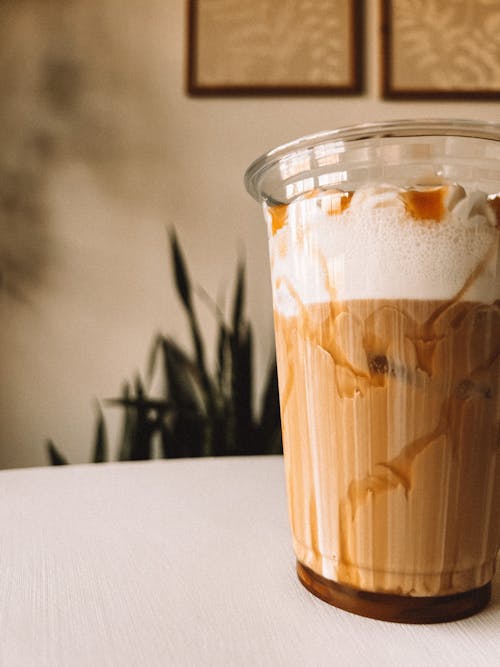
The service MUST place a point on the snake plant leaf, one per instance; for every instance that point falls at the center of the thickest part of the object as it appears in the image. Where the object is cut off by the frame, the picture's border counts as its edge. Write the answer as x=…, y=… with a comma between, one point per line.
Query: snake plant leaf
x=128, y=423
x=142, y=443
x=242, y=389
x=165, y=439
x=223, y=358
x=181, y=276
x=142, y=438
x=222, y=338
x=100, y=441
x=188, y=436
x=239, y=299
x=146, y=425
x=269, y=420
x=149, y=405
x=200, y=413
x=139, y=388
x=183, y=285
x=181, y=374
x=55, y=457
x=273, y=443
x=140, y=422
x=145, y=422
x=220, y=438
x=153, y=357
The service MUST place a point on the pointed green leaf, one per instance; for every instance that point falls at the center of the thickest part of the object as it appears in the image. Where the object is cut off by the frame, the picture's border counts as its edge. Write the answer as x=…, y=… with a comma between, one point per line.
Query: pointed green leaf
x=273, y=443
x=184, y=290
x=142, y=444
x=188, y=436
x=200, y=360
x=139, y=387
x=239, y=299
x=142, y=438
x=222, y=357
x=141, y=421
x=220, y=434
x=152, y=357
x=100, y=440
x=165, y=439
x=147, y=404
x=182, y=281
x=270, y=421
x=181, y=375
x=145, y=425
x=242, y=390
x=128, y=424
x=55, y=458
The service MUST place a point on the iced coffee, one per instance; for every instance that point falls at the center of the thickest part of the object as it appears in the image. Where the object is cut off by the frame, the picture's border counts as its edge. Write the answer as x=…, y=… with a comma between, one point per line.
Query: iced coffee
x=387, y=318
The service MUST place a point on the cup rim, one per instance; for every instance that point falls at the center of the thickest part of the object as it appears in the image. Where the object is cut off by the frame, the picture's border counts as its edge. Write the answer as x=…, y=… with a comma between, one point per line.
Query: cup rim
x=475, y=129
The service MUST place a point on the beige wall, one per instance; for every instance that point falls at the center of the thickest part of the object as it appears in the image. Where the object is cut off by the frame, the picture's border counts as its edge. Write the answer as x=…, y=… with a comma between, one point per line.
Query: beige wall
x=124, y=154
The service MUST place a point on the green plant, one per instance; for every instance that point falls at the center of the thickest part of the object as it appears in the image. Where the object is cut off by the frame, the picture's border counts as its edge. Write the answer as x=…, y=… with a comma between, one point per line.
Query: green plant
x=200, y=413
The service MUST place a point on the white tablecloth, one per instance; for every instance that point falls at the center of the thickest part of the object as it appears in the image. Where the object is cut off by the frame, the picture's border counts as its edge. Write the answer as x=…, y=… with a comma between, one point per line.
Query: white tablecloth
x=185, y=562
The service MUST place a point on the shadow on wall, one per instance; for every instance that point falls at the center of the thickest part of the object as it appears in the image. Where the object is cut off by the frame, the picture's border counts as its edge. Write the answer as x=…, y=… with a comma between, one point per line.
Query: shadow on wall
x=24, y=229
x=40, y=101
x=64, y=85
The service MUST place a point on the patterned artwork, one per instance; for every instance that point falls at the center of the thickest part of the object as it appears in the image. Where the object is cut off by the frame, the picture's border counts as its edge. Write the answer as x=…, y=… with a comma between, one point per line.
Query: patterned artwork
x=268, y=46
x=434, y=48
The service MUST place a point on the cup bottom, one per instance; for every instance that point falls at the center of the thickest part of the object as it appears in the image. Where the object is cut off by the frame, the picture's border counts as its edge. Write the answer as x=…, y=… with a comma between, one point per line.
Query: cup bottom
x=395, y=608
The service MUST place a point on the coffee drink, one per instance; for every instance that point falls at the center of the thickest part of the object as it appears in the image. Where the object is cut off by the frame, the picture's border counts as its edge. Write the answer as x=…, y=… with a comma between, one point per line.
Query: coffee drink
x=387, y=318
x=384, y=242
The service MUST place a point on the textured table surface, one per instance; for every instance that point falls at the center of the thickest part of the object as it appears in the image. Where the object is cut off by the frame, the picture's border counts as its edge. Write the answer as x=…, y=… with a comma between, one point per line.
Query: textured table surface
x=185, y=562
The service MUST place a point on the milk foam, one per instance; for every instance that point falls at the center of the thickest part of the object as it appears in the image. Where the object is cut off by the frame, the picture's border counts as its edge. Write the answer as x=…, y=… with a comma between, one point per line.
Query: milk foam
x=376, y=249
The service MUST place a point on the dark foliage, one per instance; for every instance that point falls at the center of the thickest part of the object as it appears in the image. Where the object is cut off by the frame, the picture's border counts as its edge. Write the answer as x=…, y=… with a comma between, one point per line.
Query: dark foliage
x=199, y=413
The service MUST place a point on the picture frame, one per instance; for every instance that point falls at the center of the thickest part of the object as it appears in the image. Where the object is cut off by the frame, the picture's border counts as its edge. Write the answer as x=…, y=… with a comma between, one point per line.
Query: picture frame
x=437, y=50
x=265, y=47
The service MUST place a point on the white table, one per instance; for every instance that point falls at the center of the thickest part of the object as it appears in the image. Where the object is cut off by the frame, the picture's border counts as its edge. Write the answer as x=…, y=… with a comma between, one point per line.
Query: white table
x=185, y=562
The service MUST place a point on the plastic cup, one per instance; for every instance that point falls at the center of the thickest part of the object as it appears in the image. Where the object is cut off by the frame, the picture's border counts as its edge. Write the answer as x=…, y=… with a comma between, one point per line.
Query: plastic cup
x=384, y=245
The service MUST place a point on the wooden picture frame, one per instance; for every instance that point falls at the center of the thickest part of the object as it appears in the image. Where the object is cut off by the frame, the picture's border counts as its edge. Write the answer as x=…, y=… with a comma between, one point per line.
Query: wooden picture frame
x=440, y=50
x=269, y=47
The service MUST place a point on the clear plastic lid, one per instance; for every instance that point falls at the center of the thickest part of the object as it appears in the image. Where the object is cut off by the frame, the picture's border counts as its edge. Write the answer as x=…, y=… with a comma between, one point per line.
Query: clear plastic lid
x=395, y=151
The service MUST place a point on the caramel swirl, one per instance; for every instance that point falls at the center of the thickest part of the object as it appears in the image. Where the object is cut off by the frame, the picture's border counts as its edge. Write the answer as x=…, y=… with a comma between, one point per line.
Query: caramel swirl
x=428, y=204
